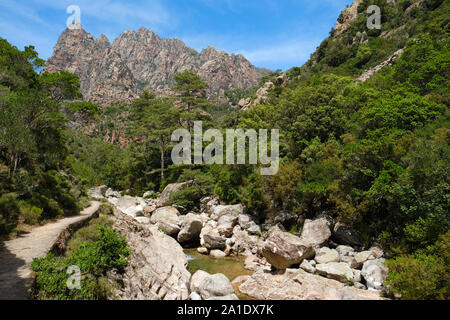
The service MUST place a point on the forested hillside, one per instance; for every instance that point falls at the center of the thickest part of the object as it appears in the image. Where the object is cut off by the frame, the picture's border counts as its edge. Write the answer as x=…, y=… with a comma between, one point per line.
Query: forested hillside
x=373, y=155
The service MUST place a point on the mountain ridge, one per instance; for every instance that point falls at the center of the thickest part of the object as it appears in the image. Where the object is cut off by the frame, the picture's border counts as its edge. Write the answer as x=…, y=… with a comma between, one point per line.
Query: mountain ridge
x=138, y=60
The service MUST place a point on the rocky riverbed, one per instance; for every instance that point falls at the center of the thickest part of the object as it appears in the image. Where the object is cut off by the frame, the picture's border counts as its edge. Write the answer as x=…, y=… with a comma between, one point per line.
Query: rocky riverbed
x=324, y=261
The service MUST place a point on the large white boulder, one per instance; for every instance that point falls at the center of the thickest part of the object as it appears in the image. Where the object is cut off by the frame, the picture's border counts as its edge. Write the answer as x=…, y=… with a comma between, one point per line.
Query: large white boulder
x=316, y=232
x=190, y=229
x=197, y=279
x=362, y=257
x=131, y=206
x=167, y=220
x=168, y=190
x=217, y=285
x=225, y=225
x=97, y=192
x=282, y=249
x=297, y=284
x=228, y=210
x=339, y=271
x=326, y=255
x=374, y=272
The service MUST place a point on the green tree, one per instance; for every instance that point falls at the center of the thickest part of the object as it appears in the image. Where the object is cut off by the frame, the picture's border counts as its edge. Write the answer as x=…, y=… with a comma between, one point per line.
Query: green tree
x=154, y=120
x=191, y=89
x=60, y=85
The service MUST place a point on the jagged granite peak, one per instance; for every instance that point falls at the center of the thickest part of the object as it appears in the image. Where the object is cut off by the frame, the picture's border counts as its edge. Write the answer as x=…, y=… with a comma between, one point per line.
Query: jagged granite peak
x=142, y=60
x=102, y=41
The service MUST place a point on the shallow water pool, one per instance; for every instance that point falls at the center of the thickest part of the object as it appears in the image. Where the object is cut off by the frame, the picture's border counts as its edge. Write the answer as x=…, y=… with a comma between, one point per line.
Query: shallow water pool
x=232, y=267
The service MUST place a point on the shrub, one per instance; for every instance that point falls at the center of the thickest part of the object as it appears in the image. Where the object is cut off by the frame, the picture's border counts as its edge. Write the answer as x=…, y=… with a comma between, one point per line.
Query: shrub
x=31, y=214
x=105, y=209
x=94, y=258
x=423, y=276
x=9, y=212
x=202, y=185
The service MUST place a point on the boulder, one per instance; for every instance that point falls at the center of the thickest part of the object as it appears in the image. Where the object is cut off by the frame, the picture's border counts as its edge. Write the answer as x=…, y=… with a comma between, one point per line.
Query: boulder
x=110, y=193
x=225, y=225
x=216, y=285
x=157, y=267
x=359, y=285
x=339, y=271
x=282, y=249
x=197, y=279
x=149, y=209
x=356, y=275
x=286, y=219
x=143, y=220
x=244, y=241
x=214, y=241
x=239, y=280
x=233, y=211
x=202, y=250
x=194, y=296
x=362, y=257
x=167, y=219
x=217, y=254
x=254, y=230
x=210, y=206
x=245, y=221
x=207, y=203
x=351, y=261
x=343, y=234
x=344, y=250
x=316, y=232
x=132, y=206
x=297, y=284
x=307, y=266
x=191, y=227
x=208, y=228
x=97, y=192
x=374, y=272
x=253, y=263
x=377, y=252
x=168, y=190
x=326, y=255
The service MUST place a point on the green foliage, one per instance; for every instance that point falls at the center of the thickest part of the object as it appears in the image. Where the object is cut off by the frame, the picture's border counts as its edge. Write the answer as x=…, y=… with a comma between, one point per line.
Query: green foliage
x=103, y=250
x=60, y=85
x=200, y=185
x=154, y=119
x=31, y=214
x=9, y=212
x=423, y=276
x=191, y=90
x=33, y=137
x=55, y=195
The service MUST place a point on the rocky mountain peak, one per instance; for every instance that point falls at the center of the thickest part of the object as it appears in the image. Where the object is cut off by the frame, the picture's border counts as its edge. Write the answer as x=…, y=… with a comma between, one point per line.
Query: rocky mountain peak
x=142, y=60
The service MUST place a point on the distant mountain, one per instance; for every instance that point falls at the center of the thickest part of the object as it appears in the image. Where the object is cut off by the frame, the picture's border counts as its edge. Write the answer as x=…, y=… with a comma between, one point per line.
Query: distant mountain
x=142, y=60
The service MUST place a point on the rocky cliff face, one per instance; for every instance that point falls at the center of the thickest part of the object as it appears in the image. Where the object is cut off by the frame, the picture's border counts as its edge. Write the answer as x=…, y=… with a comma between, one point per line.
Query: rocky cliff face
x=142, y=60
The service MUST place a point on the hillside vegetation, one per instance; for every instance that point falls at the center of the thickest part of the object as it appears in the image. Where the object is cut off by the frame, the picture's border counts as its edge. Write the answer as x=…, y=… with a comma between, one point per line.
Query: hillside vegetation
x=373, y=155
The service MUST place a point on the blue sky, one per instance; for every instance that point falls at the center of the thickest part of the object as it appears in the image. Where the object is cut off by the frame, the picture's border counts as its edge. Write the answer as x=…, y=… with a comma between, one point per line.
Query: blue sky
x=276, y=34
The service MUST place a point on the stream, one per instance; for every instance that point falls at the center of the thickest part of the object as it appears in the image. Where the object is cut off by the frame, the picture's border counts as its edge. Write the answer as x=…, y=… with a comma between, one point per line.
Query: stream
x=232, y=267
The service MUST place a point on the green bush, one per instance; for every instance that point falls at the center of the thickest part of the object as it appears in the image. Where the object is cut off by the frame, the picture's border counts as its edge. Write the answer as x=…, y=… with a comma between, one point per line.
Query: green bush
x=94, y=258
x=106, y=209
x=202, y=185
x=423, y=276
x=9, y=212
x=89, y=233
x=55, y=195
x=31, y=214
